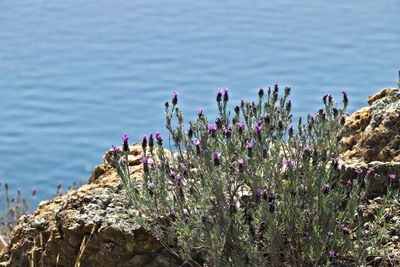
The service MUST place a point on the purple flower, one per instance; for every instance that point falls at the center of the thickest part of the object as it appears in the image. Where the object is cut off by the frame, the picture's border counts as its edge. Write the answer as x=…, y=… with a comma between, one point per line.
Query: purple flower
x=145, y=164
x=260, y=92
x=197, y=144
x=190, y=189
x=250, y=148
x=330, y=234
x=241, y=126
x=200, y=112
x=343, y=119
x=271, y=206
x=250, y=144
x=349, y=182
x=258, y=130
x=345, y=98
x=178, y=178
x=174, y=98
x=387, y=215
x=171, y=214
x=369, y=172
x=326, y=189
x=125, y=138
x=361, y=207
x=291, y=130
x=266, y=118
x=151, y=140
x=144, y=142
x=159, y=138
x=19, y=190
x=226, y=97
x=33, y=191
x=303, y=204
x=115, y=149
x=240, y=163
x=216, y=156
x=264, y=152
x=219, y=95
x=346, y=230
x=331, y=254
x=288, y=162
x=359, y=171
x=233, y=207
x=392, y=176
x=212, y=129
x=293, y=191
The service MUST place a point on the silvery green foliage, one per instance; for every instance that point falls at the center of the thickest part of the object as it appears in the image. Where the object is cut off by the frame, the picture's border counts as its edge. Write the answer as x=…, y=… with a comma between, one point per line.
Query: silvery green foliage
x=248, y=188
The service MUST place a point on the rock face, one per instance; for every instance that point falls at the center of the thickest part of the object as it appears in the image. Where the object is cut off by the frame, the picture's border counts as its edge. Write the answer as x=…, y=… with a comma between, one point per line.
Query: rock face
x=370, y=139
x=93, y=226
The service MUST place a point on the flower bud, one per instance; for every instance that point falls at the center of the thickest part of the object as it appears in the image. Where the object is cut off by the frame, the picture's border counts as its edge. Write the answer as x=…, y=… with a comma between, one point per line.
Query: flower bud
x=216, y=156
x=219, y=95
x=174, y=98
x=159, y=139
x=237, y=110
x=125, y=138
x=144, y=142
x=240, y=164
x=260, y=92
x=226, y=97
x=190, y=132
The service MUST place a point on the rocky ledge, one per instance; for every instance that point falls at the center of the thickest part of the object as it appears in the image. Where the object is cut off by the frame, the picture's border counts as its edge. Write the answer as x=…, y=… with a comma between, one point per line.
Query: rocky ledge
x=95, y=225
x=91, y=226
x=370, y=140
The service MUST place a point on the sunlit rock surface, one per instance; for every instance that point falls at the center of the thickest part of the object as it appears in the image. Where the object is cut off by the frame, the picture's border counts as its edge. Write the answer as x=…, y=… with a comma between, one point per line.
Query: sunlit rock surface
x=370, y=139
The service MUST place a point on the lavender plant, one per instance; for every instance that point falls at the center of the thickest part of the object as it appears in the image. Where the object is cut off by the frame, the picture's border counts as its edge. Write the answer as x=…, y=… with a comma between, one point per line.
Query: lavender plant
x=12, y=208
x=248, y=189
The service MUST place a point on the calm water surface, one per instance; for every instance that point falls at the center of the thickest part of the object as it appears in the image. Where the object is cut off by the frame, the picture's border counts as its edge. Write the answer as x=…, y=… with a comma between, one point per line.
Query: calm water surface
x=76, y=75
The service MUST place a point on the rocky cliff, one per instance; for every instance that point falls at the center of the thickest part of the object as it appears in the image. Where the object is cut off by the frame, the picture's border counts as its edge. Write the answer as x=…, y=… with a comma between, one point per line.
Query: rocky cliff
x=370, y=139
x=91, y=226
x=95, y=225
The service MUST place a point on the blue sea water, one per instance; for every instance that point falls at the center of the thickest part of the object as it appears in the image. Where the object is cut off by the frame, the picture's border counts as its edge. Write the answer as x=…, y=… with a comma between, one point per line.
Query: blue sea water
x=77, y=75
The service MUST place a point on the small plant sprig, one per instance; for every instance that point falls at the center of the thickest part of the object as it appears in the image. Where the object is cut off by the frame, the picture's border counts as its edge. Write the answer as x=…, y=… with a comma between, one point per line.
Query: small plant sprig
x=12, y=208
x=248, y=189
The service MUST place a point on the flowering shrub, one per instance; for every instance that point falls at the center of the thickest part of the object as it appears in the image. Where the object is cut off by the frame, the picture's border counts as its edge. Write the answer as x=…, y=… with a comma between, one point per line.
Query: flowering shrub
x=249, y=189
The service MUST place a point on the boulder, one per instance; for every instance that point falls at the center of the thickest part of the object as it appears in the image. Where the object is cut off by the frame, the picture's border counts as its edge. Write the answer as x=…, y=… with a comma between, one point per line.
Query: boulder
x=370, y=140
x=91, y=226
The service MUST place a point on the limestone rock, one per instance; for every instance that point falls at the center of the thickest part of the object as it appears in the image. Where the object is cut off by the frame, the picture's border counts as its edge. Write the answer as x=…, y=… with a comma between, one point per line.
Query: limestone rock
x=93, y=225
x=370, y=139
